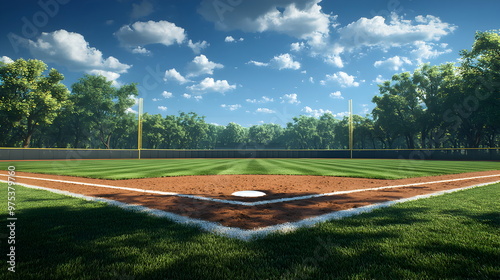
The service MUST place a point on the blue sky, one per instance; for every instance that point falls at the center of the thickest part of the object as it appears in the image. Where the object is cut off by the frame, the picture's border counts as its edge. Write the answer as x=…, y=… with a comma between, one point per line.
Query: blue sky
x=249, y=62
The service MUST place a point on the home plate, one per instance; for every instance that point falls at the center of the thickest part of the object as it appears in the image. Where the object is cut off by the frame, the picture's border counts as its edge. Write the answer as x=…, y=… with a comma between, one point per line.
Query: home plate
x=248, y=193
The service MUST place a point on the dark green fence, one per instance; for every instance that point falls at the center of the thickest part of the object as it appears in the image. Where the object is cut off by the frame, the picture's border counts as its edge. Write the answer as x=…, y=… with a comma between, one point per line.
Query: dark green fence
x=443, y=154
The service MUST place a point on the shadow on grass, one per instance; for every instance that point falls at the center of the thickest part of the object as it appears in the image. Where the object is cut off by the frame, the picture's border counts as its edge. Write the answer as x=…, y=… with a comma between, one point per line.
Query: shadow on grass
x=73, y=239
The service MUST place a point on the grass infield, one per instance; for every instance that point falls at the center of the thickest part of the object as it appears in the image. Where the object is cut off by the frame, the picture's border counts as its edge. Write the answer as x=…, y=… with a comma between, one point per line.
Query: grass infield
x=148, y=168
x=453, y=236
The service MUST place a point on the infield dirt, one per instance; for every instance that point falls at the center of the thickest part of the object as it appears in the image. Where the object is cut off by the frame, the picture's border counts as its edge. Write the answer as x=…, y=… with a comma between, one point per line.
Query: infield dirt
x=275, y=186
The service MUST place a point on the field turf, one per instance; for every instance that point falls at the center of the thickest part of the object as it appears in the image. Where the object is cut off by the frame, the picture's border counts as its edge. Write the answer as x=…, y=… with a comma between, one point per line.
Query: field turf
x=453, y=236
x=147, y=168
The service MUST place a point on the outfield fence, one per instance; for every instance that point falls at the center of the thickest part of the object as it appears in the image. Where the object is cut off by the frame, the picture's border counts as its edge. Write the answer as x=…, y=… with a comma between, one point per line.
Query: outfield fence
x=418, y=154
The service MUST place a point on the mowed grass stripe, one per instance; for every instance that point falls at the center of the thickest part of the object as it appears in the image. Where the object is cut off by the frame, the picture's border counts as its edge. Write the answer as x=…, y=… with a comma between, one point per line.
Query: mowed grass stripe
x=365, y=168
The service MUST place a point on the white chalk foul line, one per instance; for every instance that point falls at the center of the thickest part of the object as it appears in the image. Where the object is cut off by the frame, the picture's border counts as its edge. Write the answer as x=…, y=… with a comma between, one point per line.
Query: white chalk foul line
x=262, y=202
x=249, y=234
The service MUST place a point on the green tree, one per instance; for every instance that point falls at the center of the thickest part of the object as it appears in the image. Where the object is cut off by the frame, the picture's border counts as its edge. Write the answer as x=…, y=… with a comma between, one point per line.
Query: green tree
x=477, y=103
x=233, y=135
x=153, y=128
x=101, y=106
x=399, y=108
x=302, y=133
x=28, y=99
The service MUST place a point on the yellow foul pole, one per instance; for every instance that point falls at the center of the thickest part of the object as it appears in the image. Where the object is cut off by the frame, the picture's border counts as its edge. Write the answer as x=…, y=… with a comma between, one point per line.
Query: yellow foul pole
x=351, y=128
x=139, y=128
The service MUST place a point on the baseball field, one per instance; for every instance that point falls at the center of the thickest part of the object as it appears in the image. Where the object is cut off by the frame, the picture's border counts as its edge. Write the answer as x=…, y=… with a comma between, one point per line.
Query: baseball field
x=316, y=219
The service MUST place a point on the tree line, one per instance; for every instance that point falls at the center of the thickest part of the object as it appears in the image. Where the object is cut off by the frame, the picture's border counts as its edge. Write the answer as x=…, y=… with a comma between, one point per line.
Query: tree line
x=440, y=106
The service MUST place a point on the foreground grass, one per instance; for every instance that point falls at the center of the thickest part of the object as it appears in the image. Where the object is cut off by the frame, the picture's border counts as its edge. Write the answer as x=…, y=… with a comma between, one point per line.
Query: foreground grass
x=145, y=168
x=454, y=236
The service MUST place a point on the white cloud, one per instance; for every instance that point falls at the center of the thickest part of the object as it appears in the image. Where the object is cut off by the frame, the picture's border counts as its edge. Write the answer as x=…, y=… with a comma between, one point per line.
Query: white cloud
x=336, y=95
x=393, y=63
x=341, y=114
x=264, y=99
x=334, y=60
x=130, y=110
x=187, y=96
x=198, y=97
x=283, y=61
x=258, y=63
x=265, y=111
x=379, y=79
x=424, y=51
x=162, y=108
x=141, y=50
x=156, y=99
x=71, y=50
x=343, y=79
x=167, y=94
x=230, y=39
x=311, y=80
x=301, y=19
x=297, y=46
x=376, y=32
x=291, y=98
x=150, y=32
x=142, y=10
x=231, y=107
x=198, y=46
x=315, y=112
x=6, y=59
x=209, y=84
x=173, y=74
x=201, y=66
x=110, y=76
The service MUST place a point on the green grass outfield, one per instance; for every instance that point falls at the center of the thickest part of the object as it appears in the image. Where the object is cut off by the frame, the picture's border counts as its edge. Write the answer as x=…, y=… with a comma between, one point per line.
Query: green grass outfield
x=146, y=168
x=453, y=236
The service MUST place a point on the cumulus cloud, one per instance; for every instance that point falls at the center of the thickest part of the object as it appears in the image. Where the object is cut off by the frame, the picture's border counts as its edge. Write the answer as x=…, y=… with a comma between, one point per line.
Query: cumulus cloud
x=393, y=63
x=131, y=111
x=142, y=10
x=202, y=66
x=343, y=79
x=265, y=111
x=424, y=51
x=141, y=50
x=167, y=94
x=291, y=98
x=336, y=95
x=379, y=79
x=280, y=62
x=231, y=107
x=334, y=60
x=230, y=39
x=264, y=99
x=298, y=18
x=172, y=74
x=162, y=108
x=297, y=46
x=74, y=52
x=315, y=112
x=198, y=46
x=398, y=32
x=150, y=32
x=6, y=59
x=110, y=76
x=209, y=84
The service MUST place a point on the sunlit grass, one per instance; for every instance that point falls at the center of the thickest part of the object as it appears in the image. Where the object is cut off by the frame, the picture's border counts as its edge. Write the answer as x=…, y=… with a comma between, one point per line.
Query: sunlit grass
x=146, y=168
